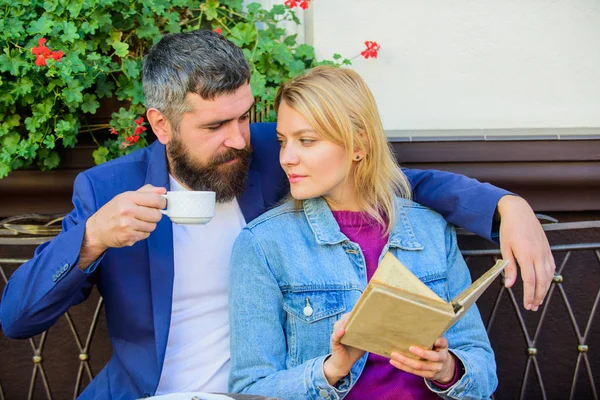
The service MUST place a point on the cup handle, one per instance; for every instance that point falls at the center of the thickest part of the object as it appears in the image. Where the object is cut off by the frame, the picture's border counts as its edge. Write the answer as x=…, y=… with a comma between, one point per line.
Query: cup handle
x=164, y=211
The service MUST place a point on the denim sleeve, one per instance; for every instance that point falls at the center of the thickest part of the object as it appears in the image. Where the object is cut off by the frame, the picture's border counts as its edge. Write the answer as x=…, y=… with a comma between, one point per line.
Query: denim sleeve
x=258, y=340
x=467, y=339
x=462, y=201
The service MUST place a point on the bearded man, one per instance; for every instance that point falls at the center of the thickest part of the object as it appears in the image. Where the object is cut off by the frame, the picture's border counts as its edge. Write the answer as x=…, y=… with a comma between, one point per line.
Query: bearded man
x=165, y=286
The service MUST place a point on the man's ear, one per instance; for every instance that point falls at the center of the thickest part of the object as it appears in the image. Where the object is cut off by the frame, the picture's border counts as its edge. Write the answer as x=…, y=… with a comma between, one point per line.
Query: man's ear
x=160, y=125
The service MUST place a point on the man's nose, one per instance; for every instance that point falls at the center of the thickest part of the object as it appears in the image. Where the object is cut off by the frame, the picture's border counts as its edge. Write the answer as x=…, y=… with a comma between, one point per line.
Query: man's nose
x=236, y=137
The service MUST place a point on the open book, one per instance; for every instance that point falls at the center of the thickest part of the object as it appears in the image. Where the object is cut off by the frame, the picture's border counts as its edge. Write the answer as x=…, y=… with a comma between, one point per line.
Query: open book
x=397, y=310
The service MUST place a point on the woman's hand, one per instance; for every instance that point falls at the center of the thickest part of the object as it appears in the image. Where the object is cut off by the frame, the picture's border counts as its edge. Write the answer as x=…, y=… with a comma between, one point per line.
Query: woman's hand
x=342, y=357
x=436, y=365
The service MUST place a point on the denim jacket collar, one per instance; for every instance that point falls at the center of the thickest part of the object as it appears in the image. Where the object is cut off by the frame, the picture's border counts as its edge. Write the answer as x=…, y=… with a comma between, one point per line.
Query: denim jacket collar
x=327, y=231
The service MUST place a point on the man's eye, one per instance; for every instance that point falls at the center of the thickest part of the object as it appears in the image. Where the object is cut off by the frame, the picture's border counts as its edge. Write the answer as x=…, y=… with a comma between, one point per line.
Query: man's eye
x=244, y=117
x=213, y=128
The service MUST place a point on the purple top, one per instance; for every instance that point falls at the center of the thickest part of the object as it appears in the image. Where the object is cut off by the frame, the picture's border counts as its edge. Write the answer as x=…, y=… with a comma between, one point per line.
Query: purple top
x=379, y=379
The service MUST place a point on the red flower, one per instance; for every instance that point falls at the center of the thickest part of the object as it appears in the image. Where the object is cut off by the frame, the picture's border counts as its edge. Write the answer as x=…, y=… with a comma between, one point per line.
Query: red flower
x=40, y=61
x=218, y=30
x=139, y=121
x=130, y=140
x=371, y=50
x=57, y=55
x=139, y=130
x=304, y=4
x=291, y=3
x=113, y=131
x=43, y=52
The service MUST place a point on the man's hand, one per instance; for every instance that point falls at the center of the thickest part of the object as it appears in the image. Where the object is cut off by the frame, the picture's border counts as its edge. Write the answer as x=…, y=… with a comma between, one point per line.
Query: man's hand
x=436, y=365
x=128, y=218
x=342, y=357
x=523, y=241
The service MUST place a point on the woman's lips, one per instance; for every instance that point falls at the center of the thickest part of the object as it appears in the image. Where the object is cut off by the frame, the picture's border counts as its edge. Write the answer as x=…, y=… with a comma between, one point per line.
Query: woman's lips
x=296, y=178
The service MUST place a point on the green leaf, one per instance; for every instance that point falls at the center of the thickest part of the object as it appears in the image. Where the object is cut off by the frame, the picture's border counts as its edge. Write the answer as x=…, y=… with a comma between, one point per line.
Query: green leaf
x=104, y=87
x=131, y=68
x=74, y=8
x=90, y=104
x=243, y=34
x=121, y=49
x=41, y=27
x=305, y=51
x=134, y=93
x=100, y=155
x=258, y=84
x=23, y=87
x=49, y=159
x=11, y=62
x=63, y=126
x=4, y=170
x=69, y=32
x=102, y=18
x=50, y=5
x=32, y=124
x=278, y=9
x=290, y=40
x=10, y=142
x=253, y=8
x=148, y=30
x=89, y=27
x=72, y=95
x=297, y=68
x=209, y=8
x=49, y=141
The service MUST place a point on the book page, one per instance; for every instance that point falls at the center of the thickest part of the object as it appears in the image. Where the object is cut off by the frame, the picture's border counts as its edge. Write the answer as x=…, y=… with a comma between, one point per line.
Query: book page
x=467, y=297
x=392, y=272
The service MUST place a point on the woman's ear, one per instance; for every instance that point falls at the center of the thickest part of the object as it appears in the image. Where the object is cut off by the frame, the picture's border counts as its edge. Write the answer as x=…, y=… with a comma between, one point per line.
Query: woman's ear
x=160, y=125
x=358, y=155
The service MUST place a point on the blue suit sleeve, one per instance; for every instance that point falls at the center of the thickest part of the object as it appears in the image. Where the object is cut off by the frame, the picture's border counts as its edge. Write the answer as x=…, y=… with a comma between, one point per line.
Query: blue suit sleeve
x=462, y=201
x=40, y=291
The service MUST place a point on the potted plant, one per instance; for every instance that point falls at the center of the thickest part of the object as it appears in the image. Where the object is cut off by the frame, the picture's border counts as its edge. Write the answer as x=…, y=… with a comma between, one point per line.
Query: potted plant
x=63, y=62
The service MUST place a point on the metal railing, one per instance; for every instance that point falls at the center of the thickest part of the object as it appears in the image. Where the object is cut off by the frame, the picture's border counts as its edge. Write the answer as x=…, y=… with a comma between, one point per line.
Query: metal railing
x=532, y=380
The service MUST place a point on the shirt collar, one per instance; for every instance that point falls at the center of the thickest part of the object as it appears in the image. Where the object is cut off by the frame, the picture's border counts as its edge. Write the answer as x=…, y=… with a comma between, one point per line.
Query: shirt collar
x=327, y=231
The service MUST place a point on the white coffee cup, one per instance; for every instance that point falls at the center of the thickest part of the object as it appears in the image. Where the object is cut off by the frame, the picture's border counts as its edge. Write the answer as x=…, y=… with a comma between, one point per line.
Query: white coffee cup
x=190, y=207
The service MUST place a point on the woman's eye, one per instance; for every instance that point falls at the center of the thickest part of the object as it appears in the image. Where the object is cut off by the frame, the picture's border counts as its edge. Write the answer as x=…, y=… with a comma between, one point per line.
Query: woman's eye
x=307, y=141
x=244, y=117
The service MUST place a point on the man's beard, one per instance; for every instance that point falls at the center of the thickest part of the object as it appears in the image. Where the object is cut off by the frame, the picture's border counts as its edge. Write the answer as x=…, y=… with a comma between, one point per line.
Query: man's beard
x=227, y=181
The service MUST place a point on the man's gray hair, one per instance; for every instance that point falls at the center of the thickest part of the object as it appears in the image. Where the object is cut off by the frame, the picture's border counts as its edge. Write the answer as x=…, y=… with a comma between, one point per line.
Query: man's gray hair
x=201, y=62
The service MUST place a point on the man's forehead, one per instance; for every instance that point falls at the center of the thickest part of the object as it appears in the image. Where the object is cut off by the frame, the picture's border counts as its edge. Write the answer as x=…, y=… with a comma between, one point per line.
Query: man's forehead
x=223, y=105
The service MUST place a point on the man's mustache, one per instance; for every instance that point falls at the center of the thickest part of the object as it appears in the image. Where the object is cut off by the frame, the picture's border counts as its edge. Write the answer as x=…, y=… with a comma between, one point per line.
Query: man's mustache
x=230, y=155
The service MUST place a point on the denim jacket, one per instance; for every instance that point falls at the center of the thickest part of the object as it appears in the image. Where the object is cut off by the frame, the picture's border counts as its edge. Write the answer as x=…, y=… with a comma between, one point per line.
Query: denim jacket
x=290, y=258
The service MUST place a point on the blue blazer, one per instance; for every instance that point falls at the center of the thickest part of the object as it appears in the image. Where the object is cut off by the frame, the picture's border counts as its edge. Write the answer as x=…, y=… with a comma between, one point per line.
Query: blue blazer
x=136, y=282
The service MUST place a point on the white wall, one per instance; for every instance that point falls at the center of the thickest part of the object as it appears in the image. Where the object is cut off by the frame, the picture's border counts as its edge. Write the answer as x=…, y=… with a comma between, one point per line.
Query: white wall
x=465, y=65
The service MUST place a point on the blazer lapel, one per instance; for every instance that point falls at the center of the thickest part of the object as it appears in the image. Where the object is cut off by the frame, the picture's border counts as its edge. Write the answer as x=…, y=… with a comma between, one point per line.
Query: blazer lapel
x=160, y=255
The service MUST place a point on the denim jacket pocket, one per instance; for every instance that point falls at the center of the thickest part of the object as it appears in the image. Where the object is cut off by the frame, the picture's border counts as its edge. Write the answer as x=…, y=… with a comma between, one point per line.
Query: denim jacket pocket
x=311, y=316
x=438, y=282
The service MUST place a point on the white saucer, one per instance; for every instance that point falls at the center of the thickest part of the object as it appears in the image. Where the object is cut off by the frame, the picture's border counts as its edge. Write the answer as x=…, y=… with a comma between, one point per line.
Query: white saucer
x=190, y=220
x=190, y=396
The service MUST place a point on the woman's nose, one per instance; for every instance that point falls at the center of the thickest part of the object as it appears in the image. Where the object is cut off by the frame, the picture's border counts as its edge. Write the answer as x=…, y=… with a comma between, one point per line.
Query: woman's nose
x=288, y=155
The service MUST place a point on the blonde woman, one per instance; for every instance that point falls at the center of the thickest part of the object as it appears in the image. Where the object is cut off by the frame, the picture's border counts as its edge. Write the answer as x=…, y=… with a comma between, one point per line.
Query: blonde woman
x=298, y=268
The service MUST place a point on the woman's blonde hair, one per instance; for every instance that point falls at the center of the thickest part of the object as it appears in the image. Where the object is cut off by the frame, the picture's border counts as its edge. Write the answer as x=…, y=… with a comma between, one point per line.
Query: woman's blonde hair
x=339, y=106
